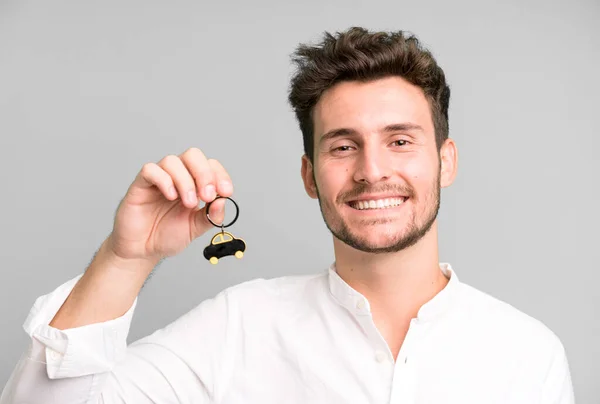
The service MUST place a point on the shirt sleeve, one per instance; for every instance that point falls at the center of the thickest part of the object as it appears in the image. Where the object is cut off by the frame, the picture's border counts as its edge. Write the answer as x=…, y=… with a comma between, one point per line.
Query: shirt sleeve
x=93, y=364
x=558, y=386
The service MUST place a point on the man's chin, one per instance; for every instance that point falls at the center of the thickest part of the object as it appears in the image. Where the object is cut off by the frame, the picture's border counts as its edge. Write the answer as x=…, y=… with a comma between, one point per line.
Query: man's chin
x=373, y=244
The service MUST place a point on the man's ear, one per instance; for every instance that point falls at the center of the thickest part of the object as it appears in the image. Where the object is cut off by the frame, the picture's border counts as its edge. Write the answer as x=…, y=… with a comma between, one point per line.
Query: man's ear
x=449, y=163
x=308, y=177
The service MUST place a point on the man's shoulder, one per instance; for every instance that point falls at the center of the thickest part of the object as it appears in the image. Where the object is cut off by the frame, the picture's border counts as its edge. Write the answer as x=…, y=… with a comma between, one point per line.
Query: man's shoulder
x=495, y=317
x=281, y=287
x=488, y=309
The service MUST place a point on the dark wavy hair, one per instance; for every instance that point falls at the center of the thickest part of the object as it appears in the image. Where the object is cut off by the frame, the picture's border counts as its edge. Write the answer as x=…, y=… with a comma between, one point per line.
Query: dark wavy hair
x=358, y=54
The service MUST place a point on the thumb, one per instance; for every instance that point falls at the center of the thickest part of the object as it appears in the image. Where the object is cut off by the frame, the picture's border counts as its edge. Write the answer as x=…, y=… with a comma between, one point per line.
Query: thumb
x=216, y=213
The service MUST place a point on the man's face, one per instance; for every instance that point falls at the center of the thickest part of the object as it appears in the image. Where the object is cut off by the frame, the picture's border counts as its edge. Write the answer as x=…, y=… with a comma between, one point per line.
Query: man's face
x=376, y=166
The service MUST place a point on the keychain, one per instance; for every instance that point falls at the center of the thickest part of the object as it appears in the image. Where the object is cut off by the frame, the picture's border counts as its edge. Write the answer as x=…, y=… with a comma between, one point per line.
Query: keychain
x=224, y=243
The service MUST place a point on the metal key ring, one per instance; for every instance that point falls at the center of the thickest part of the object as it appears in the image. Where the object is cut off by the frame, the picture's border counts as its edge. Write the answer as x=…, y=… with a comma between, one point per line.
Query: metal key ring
x=222, y=226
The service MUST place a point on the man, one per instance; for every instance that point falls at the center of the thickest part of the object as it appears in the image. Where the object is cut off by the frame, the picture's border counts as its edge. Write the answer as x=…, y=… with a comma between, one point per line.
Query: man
x=385, y=323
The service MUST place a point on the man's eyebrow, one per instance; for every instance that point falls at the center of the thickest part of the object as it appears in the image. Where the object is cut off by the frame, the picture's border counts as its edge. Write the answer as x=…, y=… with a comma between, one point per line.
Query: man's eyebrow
x=332, y=134
x=394, y=127
x=403, y=127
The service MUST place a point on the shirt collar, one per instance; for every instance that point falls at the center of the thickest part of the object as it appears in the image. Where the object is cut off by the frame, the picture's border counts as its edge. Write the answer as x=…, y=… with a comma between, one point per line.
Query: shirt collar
x=356, y=303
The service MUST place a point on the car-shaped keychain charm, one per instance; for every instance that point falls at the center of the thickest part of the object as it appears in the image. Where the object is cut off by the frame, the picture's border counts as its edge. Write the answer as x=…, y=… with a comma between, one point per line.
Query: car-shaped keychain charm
x=224, y=244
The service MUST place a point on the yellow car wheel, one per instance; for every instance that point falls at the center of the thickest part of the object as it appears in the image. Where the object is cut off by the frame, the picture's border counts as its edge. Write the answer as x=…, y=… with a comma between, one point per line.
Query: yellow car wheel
x=239, y=254
x=214, y=260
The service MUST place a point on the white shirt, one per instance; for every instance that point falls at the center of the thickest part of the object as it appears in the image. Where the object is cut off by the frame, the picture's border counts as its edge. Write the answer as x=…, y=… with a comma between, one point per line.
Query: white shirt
x=297, y=339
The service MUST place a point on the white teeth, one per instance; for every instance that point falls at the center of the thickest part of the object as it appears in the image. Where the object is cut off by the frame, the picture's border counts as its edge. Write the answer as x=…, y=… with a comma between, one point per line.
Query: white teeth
x=378, y=204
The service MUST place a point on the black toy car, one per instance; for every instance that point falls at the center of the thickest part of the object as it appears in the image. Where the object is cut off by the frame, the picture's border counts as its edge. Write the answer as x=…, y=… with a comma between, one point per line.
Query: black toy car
x=222, y=245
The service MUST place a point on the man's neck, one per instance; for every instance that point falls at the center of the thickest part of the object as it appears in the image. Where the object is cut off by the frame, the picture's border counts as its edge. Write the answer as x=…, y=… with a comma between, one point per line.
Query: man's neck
x=396, y=284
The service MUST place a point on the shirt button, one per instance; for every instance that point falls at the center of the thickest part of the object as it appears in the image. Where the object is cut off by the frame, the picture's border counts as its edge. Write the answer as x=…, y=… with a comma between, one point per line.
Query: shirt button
x=360, y=304
x=53, y=354
x=380, y=356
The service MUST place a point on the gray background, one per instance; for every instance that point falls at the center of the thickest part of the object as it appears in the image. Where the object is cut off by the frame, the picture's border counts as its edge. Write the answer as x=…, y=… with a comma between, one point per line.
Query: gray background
x=90, y=91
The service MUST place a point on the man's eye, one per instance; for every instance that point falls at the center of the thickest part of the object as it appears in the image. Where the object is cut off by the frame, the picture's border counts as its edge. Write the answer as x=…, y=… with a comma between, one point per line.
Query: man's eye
x=342, y=148
x=400, y=142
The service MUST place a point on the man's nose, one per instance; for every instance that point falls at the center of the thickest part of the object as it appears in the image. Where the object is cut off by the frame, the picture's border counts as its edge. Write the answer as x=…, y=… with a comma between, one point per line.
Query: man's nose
x=373, y=165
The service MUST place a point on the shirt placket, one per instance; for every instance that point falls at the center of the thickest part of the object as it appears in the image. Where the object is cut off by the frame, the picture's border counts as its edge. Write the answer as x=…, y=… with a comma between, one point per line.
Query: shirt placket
x=381, y=353
x=404, y=383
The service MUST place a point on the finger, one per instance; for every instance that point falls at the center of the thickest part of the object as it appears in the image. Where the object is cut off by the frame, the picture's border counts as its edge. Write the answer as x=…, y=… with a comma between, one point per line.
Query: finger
x=151, y=175
x=184, y=183
x=216, y=213
x=222, y=178
x=196, y=163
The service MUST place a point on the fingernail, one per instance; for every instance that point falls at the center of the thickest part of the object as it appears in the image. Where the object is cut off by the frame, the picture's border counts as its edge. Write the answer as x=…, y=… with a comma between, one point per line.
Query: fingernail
x=225, y=186
x=210, y=192
x=192, y=197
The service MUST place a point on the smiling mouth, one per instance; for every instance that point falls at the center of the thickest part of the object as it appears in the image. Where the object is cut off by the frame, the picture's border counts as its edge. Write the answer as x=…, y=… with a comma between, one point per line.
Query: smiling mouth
x=385, y=203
